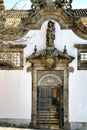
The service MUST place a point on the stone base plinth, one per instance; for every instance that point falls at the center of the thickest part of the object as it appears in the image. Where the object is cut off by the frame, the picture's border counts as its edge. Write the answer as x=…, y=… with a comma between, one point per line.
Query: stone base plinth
x=78, y=126
x=16, y=123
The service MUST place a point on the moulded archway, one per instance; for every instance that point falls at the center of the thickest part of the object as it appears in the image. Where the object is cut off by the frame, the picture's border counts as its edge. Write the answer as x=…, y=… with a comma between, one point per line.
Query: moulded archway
x=50, y=79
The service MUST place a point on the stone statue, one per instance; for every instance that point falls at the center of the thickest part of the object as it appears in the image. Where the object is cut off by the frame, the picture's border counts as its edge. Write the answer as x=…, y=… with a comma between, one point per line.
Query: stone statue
x=59, y=3
x=34, y=4
x=38, y=4
x=50, y=34
x=69, y=3
x=63, y=3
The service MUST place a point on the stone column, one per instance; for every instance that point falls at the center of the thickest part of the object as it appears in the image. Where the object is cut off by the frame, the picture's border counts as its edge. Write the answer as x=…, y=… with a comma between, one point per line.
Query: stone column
x=1, y=20
x=66, y=99
x=34, y=98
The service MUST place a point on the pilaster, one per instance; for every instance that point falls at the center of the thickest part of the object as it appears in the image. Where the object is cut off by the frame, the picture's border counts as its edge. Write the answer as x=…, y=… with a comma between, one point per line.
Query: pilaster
x=1, y=20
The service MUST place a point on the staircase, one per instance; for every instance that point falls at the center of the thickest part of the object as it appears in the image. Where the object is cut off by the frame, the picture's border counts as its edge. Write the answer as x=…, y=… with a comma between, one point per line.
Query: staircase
x=54, y=119
x=48, y=118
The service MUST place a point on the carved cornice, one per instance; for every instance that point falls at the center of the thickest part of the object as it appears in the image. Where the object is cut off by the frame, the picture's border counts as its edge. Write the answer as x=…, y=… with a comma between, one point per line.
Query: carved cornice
x=80, y=46
x=7, y=47
x=48, y=58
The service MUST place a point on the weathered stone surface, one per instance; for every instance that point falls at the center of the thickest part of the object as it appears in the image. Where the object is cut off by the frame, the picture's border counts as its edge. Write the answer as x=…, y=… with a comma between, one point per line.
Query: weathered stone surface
x=78, y=125
x=16, y=123
x=9, y=128
x=21, y=21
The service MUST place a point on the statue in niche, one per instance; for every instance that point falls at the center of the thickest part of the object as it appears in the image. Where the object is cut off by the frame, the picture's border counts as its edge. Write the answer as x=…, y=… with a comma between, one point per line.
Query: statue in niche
x=50, y=34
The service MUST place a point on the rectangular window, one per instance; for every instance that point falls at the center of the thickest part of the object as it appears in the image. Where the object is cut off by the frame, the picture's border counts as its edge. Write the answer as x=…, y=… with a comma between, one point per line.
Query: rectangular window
x=81, y=56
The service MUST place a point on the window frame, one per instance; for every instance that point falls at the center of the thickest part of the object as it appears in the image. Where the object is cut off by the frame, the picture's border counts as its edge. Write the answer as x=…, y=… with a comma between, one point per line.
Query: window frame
x=81, y=56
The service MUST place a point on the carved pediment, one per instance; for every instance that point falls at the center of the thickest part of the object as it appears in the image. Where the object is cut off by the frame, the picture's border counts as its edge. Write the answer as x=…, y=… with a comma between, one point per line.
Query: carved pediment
x=49, y=58
x=45, y=54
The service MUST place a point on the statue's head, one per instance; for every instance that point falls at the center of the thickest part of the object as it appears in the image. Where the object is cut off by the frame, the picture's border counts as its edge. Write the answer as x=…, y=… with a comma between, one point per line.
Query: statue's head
x=50, y=24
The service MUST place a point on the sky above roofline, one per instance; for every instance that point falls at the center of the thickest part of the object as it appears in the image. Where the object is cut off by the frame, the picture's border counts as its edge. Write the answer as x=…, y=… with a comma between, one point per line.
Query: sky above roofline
x=26, y=4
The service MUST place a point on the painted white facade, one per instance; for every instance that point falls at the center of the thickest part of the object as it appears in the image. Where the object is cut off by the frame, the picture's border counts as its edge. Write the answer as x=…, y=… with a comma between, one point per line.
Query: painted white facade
x=15, y=86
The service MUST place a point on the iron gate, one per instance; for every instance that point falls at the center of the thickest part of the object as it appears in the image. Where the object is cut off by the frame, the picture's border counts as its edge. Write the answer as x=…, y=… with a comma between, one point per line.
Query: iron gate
x=49, y=107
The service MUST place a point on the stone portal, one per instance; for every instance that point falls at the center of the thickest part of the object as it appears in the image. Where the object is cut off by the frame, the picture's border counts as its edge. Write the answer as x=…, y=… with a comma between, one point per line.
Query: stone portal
x=50, y=74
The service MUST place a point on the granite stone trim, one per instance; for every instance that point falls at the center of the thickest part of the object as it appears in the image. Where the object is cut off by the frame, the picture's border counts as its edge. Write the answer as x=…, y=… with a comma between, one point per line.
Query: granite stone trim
x=78, y=126
x=18, y=123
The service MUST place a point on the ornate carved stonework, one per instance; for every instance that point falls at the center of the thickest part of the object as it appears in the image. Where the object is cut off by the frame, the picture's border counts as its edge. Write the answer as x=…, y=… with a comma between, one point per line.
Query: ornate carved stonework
x=50, y=56
x=50, y=4
x=61, y=11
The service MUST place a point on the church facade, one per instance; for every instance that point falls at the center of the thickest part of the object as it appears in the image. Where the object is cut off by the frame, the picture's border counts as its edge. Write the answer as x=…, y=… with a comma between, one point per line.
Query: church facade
x=50, y=67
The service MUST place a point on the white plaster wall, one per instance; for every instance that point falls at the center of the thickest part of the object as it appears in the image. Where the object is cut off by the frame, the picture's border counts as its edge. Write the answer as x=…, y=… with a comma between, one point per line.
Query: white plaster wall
x=15, y=86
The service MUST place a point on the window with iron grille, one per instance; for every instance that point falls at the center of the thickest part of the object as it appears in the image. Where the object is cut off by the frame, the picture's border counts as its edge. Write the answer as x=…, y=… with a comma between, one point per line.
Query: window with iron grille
x=81, y=56
x=11, y=57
